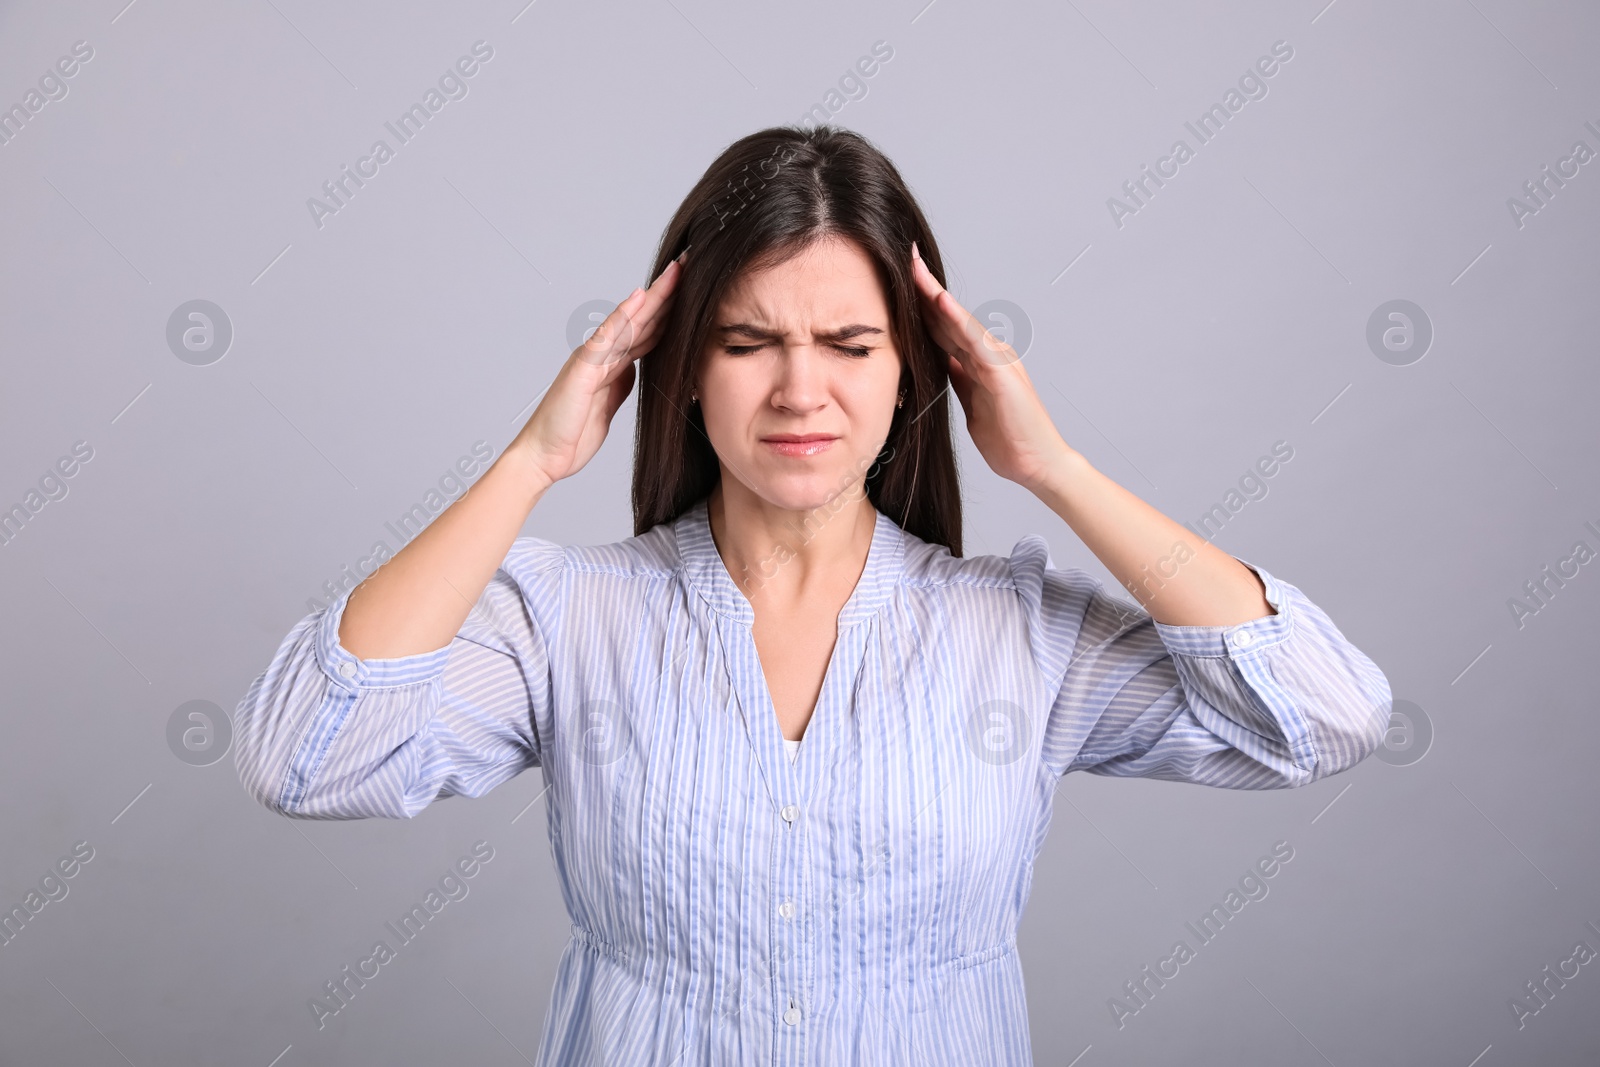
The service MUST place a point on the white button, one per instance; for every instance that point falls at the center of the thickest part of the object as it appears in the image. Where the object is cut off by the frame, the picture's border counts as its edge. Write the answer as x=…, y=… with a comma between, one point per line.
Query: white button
x=347, y=669
x=1244, y=639
x=790, y=813
x=792, y=1015
x=786, y=909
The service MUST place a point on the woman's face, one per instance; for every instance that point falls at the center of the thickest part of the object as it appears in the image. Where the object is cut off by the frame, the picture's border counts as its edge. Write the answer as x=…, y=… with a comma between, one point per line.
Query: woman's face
x=802, y=349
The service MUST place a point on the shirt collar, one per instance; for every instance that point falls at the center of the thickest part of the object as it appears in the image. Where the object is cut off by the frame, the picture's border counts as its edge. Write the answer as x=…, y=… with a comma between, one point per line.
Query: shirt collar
x=706, y=572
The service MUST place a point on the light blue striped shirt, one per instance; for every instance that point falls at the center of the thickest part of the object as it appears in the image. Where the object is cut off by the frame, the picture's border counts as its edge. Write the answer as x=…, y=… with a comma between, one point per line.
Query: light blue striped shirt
x=861, y=903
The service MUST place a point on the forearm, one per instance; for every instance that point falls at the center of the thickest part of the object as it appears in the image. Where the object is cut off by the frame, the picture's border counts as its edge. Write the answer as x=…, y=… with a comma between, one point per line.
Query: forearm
x=1177, y=576
x=417, y=601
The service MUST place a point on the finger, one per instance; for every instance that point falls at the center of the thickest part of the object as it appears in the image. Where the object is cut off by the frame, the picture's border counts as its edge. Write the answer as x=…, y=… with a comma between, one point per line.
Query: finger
x=652, y=309
x=954, y=326
x=948, y=318
x=950, y=322
x=631, y=329
x=938, y=319
x=660, y=290
x=638, y=305
x=612, y=339
x=975, y=341
x=956, y=320
x=644, y=341
x=948, y=333
x=926, y=283
x=649, y=305
x=949, y=315
x=618, y=337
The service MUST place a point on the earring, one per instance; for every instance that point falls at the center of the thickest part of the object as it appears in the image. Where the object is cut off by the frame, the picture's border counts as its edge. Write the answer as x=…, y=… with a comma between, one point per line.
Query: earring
x=900, y=403
x=694, y=396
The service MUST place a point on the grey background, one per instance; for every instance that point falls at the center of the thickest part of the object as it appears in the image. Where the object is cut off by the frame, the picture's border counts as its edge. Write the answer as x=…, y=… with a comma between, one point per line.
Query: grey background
x=368, y=355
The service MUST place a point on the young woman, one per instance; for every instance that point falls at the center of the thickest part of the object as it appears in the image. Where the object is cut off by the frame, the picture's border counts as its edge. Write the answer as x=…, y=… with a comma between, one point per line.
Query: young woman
x=800, y=752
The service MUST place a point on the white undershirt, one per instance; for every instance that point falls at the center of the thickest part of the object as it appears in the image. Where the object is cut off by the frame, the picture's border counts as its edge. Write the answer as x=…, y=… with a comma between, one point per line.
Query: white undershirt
x=793, y=747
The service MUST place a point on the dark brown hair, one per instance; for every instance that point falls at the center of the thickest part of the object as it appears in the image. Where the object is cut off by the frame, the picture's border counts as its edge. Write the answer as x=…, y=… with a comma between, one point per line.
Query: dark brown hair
x=765, y=198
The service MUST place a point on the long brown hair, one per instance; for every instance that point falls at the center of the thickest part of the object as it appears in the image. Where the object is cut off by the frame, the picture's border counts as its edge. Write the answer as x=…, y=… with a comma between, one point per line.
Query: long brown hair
x=766, y=197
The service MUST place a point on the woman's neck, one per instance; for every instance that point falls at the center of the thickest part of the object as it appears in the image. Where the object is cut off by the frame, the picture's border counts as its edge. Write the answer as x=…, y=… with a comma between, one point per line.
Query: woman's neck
x=784, y=555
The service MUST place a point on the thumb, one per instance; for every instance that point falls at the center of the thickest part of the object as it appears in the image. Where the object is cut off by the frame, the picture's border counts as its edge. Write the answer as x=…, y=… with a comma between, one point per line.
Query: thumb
x=619, y=389
x=961, y=384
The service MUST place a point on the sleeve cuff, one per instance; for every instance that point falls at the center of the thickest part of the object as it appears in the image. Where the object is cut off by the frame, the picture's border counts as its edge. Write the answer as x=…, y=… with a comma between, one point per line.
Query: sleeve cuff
x=1240, y=639
x=352, y=675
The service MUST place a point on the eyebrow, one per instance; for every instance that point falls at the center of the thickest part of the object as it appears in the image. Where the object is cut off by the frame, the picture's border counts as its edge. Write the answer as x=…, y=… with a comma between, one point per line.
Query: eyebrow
x=843, y=333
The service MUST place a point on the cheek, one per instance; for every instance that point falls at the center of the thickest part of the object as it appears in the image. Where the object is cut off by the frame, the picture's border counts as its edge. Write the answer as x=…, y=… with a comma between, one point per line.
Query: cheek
x=736, y=387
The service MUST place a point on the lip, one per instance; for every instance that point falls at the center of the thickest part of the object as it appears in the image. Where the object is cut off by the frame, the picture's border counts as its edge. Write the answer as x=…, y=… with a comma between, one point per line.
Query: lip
x=791, y=444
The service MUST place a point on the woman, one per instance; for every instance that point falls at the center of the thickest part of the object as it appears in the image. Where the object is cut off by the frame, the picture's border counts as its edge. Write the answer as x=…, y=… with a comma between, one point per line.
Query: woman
x=796, y=581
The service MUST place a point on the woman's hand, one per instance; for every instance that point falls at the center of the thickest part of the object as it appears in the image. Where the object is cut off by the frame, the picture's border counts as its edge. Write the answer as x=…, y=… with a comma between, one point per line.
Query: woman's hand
x=571, y=422
x=1007, y=420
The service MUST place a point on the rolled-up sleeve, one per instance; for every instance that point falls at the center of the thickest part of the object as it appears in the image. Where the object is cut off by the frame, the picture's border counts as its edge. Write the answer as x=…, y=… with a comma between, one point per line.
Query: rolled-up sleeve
x=1272, y=703
x=321, y=734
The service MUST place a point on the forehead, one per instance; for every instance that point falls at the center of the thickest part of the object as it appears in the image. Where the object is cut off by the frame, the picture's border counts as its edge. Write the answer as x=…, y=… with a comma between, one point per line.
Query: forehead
x=831, y=281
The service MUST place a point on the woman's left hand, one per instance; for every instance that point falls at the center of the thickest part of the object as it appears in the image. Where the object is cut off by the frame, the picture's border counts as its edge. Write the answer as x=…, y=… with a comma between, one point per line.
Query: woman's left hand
x=1005, y=417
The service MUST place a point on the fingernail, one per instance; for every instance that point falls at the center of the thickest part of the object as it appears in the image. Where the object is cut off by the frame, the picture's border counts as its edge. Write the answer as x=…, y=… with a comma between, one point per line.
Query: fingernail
x=684, y=254
x=914, y=253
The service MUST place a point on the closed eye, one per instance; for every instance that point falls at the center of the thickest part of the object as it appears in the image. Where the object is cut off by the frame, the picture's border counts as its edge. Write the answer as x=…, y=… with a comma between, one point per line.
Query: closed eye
x=853, y=351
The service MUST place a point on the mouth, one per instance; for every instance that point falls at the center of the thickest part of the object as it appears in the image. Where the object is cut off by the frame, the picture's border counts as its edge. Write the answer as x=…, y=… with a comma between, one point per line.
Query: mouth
x=789, y=444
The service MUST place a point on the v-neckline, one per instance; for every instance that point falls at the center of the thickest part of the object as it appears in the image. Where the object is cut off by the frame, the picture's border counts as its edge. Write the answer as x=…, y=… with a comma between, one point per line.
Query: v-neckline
x=793, y=781
x=789, y=783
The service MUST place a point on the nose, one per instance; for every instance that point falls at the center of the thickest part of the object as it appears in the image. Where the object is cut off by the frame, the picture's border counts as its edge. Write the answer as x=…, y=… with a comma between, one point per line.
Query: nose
x=802, y=379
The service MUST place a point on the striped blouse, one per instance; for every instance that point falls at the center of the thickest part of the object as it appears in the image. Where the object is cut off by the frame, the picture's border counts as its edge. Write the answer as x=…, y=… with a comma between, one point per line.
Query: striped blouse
x=859, y=903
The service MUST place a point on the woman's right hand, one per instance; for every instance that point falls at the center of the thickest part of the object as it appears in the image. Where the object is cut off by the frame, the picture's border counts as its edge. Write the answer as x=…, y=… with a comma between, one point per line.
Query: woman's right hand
x=570, y=423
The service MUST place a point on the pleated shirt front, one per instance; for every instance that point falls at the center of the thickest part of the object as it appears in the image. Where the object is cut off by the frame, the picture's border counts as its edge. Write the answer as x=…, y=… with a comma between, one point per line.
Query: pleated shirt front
x=860, y=903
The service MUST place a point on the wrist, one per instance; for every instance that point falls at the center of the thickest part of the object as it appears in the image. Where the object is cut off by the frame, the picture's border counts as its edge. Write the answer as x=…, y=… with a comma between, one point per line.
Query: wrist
x=519, y=469
x=1061, y=474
